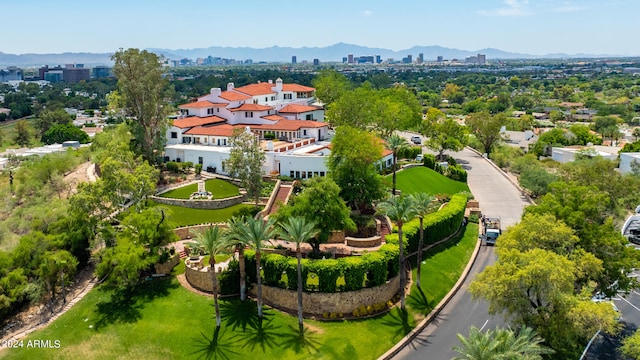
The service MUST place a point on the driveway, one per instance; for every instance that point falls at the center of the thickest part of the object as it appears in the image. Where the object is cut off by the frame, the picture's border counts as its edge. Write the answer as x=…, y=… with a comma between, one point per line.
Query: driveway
x=498, y=197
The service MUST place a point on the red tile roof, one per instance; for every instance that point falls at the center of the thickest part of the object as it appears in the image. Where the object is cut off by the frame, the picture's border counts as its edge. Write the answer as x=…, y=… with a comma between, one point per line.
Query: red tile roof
x=234, y=96
x=257, y=89
x=218, y=130
x=197, y=105
x=296, y=88
x=192, y=121
x=297, y=109
x=252, y=107
x=274, y=117
x=289, y=125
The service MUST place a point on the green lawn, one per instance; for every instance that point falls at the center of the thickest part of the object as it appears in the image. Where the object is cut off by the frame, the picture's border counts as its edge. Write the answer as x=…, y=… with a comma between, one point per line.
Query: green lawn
x=182, y=216
x=162, y=320
x=219, y=189
x=9, y=133
x=421, y=178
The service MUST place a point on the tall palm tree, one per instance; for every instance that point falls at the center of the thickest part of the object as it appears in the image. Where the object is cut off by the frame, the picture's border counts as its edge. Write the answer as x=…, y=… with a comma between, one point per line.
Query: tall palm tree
x=400, y=210
x=298, y=231
x=422, y=205
x=501, y=344
x=235, y=227
x=395, y=143
x=213, y=242
x=255, y=233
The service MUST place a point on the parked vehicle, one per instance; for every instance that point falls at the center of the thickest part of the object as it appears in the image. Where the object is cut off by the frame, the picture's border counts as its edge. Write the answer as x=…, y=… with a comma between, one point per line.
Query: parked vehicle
x=419, y=158
x=491, y=230
x=416, y=140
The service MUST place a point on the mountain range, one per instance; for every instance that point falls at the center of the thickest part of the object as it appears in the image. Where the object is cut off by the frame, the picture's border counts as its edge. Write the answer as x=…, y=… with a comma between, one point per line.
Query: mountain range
x=333, y=53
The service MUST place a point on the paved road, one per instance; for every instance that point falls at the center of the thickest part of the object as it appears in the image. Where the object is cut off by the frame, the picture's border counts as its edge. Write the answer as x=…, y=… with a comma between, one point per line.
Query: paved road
x=497, y=197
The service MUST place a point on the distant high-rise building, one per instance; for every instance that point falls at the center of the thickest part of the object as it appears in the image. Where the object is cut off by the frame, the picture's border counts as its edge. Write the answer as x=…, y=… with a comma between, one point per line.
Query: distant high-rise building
x=378, y=59
x=344, y=59
x=407, y=60
x=294, y=59
x=439, y=58
x=100, y=72
x=11, y=74
x=73, y=74
x=316, y=62
x=482, y=59
x=350, y=58
x=420, y=59
x=54, y=76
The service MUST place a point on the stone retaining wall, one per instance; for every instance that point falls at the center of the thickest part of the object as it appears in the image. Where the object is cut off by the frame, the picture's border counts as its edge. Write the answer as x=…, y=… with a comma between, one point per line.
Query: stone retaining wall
x=201, y=204
x=187, y=232
x=364, y=242
x=200, y=280
x=318, y=303
x=168, y=266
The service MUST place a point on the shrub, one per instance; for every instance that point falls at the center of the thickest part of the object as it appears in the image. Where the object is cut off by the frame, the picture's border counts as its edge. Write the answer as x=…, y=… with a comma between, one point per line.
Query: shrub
x=429, y=161
x=246, y=211
x=353, y=270
x=457, y=173
x=328, y=272
x=250, y=265
x=378, y=270
x=437, y=225
x=390, y=252
x=273, y=265
x=409, y=152
x=292, y=273
x=172, y=166
x=451, y=161
x=198, y=169
x=229, y=279
x=269, y=136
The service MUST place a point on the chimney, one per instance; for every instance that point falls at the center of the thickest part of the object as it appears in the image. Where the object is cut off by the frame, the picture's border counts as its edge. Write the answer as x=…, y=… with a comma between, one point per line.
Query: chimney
x=216, y=92
x=230, y=86
x=270, y=81
x=278, y=84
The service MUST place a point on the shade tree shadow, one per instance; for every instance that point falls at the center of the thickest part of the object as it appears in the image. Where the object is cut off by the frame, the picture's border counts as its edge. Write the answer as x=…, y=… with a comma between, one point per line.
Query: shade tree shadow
x=293, y=339
x=217, y=345
x=418, y=301
x=240, y=314
x=125, y=305
x=263, y=335
x=398, y=321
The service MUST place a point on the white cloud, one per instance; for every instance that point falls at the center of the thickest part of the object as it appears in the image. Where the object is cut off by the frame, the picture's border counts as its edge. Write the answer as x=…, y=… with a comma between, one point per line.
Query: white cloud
x=568, y=7
x=367, y=13
x=511, y=8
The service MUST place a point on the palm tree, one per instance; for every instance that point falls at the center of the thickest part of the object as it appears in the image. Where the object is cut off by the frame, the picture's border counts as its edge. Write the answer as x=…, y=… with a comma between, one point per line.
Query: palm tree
x=235, y=227
x=213, y=242
x=395, y=143
x=423, y=205
x=298, y=230
x=255, y=233
x=501, y=344
x=400, y=210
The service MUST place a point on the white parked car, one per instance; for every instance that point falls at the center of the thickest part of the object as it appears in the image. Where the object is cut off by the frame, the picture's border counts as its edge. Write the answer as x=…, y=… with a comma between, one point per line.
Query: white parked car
x=419, y=158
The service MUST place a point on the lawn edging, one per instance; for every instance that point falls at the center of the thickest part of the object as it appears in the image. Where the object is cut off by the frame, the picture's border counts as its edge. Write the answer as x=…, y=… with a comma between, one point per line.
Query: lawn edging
x=423, y=324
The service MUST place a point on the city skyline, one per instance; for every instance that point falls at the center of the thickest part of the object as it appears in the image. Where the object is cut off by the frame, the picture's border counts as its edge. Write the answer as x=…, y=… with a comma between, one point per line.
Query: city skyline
x=536, y=27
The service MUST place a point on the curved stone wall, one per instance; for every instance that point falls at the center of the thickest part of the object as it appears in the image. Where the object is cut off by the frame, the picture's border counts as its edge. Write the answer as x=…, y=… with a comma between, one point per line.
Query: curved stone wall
x=200, y=280
x=318, y=303
x=364, y=242
x=201, y=204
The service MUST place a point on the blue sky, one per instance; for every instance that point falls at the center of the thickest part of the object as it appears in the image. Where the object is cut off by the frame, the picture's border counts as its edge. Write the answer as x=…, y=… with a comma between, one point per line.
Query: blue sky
x=535, y=27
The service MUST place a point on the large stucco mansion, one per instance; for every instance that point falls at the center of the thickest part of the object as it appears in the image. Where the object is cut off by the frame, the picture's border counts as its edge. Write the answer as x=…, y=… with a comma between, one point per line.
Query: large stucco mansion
x=288, y=111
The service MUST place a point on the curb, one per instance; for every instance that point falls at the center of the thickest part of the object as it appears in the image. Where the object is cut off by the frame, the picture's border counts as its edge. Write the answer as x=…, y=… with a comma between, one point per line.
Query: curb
x=423, y=324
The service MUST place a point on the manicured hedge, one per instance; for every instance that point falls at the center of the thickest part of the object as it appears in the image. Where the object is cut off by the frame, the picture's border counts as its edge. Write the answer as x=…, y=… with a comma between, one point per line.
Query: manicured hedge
x=229, y=279
x=378, y=270
x=272, y=266
x=437, y=225
x=328, y=271
x=353, y=269
x=292, y=273
x=391, y=253
x=250, y=265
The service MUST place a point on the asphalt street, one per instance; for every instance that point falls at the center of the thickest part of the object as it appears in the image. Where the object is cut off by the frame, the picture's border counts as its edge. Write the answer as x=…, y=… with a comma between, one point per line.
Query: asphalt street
x=498, y=197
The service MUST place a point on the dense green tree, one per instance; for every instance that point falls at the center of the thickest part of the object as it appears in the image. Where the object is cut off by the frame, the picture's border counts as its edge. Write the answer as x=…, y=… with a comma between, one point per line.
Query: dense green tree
x=245, y=162
x=320, y=203
x=353, y=108
x=48, y=118
x=330, y=85
x=144, y=91
x=445, y=134
x=536, y=179
x=453, y=93
x=501, y=344
x=423, y=204
x=23, y=133
x=631, y=346
x=298, y=230
x=57, y=134
x=353, y=169
x=213, y=241
x=584, y=135
x=399, y=209
x=486, y=128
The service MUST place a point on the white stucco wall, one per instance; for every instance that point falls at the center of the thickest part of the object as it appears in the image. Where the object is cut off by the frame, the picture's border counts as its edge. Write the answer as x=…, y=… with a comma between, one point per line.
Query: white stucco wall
x=626, y=159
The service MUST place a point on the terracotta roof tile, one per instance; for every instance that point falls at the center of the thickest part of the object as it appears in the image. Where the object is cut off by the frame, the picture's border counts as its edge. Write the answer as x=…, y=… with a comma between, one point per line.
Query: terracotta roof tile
x=274, y=117
x=252, y=107
x=296, y=88
x=192, y=121
x=289, y=125
x=234, y=96
x=297, y=109
x=257, y=89
x=197, y=105
x=217, y=130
